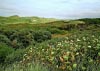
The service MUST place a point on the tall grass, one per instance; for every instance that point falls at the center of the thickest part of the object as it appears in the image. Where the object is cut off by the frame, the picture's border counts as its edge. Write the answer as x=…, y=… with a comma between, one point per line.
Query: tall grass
x=26, y=67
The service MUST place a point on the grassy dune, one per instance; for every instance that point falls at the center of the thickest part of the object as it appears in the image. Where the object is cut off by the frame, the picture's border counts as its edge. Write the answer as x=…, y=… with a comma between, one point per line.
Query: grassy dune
x=41, y=44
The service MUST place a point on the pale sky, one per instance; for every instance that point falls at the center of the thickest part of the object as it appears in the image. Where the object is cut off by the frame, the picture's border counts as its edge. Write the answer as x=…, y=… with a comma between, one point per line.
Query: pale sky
x=68, y=9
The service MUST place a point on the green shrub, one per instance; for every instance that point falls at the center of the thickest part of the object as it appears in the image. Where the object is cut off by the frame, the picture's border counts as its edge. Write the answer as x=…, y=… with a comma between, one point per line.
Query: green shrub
x=8, y=32
x=56, y=31
x=15, y=56
x=22, y=39
x=4, y=51
x=91, y=21
x=40, y=36
x=4, y=39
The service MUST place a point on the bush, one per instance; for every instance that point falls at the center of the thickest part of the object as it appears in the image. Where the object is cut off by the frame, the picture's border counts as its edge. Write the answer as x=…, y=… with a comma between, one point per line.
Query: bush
x=22, y=39
x=40, y=36
x=91, y=21
x=4, y=39
x=15, y=56
x=8, y=32
x=56, y=31
x=4, y=51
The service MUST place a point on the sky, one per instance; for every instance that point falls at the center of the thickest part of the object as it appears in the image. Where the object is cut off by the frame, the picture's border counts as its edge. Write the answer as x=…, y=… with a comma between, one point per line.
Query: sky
x=64, y=9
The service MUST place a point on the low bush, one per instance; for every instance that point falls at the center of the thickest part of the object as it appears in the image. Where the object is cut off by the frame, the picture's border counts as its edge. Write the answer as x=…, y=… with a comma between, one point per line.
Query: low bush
x=4, y=51
x=22, y=39
x=15, y=56
x=56, y=31
x=4, y=39
x=40, y=36
x=77, y=52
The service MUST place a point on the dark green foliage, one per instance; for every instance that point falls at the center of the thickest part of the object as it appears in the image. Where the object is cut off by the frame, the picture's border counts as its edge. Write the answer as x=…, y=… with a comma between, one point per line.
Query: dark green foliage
x=56, y=31
x=22, y=38
x=4, y=39
x=40, y=36
x=91, y=21
x=7, y=33
x=4, y=51
x=15, y=56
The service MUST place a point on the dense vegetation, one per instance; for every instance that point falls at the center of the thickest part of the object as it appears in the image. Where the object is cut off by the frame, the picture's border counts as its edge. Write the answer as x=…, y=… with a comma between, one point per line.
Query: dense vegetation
x=91, y=21
x=49, y=45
